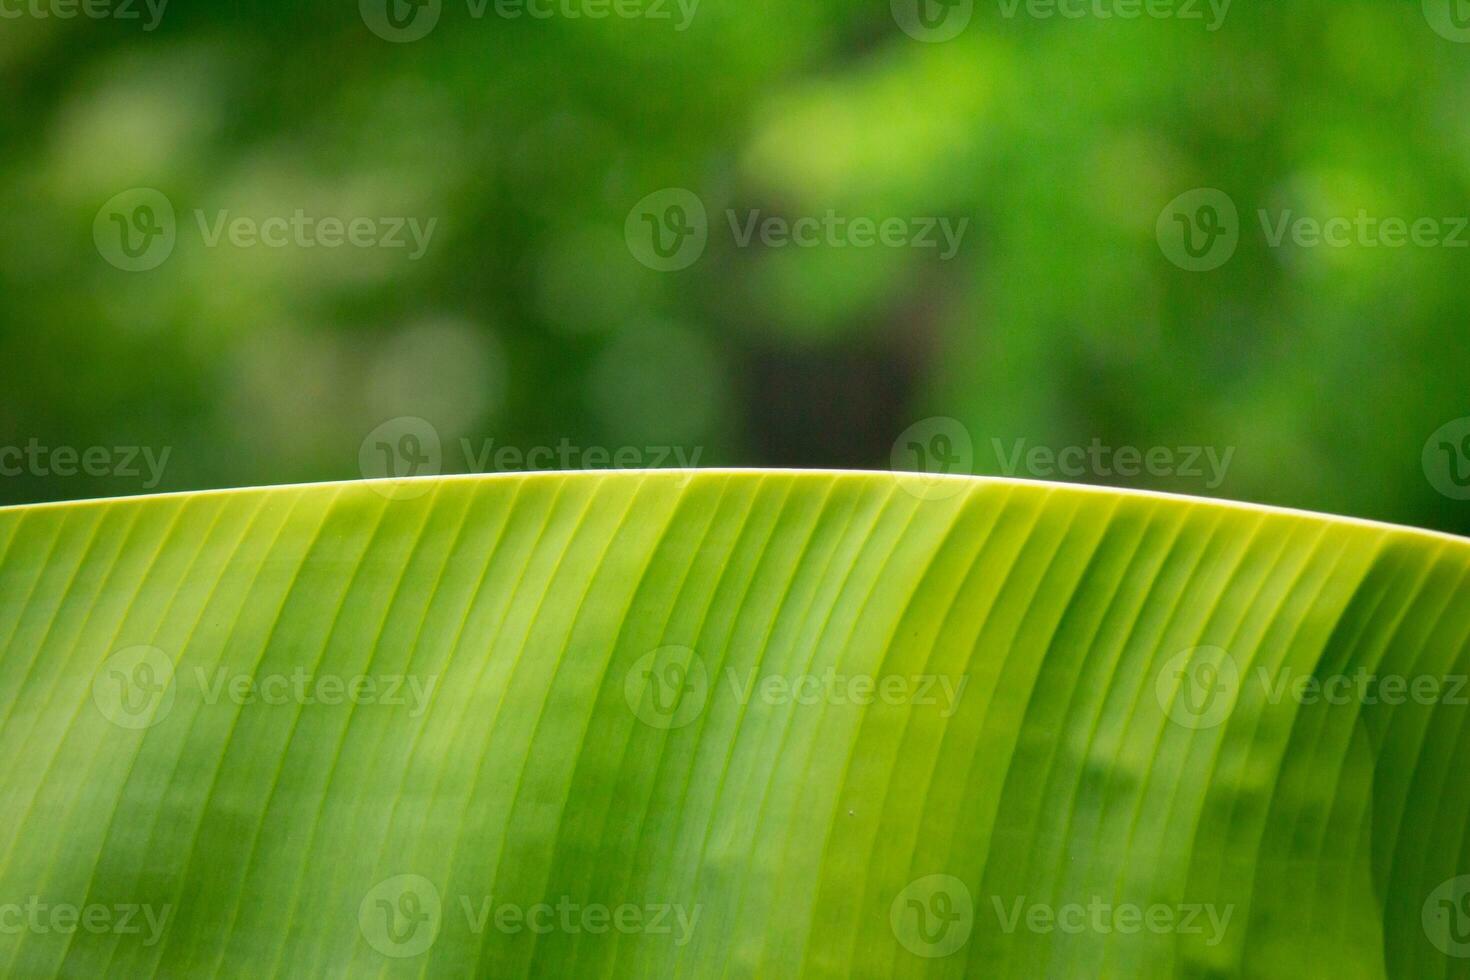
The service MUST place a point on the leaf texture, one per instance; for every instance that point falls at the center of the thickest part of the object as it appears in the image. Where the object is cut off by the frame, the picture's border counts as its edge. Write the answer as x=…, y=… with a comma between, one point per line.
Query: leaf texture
x=729, y=724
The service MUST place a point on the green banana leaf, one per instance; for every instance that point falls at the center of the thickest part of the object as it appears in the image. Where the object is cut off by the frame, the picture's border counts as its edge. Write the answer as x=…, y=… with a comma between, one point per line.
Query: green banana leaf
x=729, y=724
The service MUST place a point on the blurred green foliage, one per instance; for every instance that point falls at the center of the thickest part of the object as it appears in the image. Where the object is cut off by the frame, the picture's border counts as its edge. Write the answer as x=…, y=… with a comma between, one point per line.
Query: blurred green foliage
x=528, y=321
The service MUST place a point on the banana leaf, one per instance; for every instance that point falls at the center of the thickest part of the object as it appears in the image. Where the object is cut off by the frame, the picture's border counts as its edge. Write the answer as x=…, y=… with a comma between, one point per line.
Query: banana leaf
x=729, y=724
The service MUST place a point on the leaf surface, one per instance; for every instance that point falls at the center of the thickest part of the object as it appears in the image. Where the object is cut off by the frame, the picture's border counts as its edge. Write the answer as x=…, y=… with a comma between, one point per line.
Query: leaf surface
x=758, y=723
